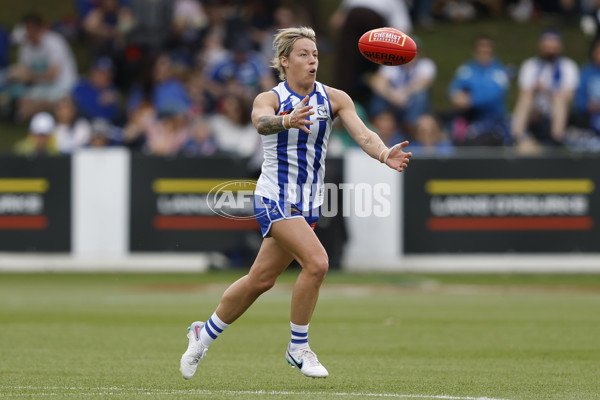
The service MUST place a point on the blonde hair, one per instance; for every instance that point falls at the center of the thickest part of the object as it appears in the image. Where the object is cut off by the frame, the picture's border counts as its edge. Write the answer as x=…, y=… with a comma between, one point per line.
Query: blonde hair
x=283, y=43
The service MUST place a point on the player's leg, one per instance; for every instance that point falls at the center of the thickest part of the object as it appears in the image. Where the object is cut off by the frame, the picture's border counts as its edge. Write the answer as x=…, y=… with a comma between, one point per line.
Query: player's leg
x=296, y=237
x=270, y=262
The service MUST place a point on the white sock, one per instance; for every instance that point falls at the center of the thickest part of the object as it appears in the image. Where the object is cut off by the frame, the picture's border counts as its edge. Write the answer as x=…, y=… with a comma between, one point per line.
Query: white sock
x=299, y=336
x=212, y=329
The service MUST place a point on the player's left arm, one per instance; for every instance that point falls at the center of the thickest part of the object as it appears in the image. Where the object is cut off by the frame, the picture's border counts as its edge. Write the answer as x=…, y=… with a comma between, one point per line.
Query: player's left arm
x=394, y=157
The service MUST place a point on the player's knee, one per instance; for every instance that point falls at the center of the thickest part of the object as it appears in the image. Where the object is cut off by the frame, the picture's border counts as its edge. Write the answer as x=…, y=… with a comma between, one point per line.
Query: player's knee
x=318, y=266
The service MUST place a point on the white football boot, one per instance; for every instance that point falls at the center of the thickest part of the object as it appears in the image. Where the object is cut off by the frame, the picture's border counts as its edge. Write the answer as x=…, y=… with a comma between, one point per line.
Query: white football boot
x=307, y=362
x=195, y=351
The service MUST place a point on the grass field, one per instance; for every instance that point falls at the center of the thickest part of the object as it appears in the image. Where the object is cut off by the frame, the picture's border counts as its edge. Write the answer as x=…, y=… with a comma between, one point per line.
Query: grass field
x=380, y=336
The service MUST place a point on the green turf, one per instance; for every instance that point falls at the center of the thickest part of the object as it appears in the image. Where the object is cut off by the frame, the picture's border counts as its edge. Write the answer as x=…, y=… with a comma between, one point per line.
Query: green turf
x=467, y=336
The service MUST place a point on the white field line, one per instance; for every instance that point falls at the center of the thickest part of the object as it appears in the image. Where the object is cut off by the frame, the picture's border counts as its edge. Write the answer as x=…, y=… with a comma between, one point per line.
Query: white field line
x=119, y=391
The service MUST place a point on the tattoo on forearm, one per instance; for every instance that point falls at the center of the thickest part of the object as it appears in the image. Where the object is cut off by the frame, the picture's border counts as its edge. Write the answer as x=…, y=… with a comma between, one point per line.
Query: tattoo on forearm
x=367, y=140
x=269, y=124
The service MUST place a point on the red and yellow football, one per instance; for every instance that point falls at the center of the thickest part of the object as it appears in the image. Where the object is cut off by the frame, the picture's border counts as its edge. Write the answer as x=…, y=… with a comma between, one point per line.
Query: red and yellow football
x=387, y=46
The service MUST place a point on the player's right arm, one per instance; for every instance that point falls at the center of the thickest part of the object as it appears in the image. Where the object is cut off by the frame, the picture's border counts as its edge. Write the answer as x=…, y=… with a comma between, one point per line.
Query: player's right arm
x=263, y=114
x=267, y=123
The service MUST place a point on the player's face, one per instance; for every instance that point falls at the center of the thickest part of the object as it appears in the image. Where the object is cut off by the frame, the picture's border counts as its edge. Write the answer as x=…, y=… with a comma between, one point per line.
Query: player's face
x=303, y=62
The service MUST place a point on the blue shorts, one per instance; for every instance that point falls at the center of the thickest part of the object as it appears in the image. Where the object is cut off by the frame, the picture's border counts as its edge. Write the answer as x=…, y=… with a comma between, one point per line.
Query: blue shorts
x=268, y=211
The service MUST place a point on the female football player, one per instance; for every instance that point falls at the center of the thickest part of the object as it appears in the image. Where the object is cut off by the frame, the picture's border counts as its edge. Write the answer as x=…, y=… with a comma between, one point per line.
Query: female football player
x=294, y=119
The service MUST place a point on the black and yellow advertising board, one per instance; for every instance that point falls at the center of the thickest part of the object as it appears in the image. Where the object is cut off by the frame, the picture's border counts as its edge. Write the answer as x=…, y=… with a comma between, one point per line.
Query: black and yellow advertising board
x=35, y=204
x=525, y=205
x=190, y=204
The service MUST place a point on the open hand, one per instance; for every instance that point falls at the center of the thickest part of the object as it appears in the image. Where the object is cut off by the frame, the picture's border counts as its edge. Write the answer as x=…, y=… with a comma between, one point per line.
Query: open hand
x=300, y=114
x=397, y=158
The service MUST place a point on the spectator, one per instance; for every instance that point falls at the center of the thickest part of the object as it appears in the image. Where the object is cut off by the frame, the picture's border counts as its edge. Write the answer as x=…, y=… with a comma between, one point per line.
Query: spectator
x=163, y=89
x=41, y=139
x=587, y=96
x=352, y=19
x=106, y=26
x=45, y=70
x=478, y=94
x=384, y=123
x=547, y=84
x=243, y=72
x=233, y=130
x=96, y=96
x=72, y=133
x=169, y=134
x=202, y=142
x=405, y=89
x=430, y=138
x=138, y=121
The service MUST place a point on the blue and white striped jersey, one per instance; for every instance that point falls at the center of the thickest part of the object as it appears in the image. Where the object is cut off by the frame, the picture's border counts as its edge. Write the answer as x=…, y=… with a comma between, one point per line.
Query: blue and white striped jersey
x=294, y=161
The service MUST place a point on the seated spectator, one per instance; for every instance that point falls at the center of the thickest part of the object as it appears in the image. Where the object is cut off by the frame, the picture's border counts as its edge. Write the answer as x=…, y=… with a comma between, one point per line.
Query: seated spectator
x=202, y=142
x=72, y=132
x=233, y=130
x=243, y=72
x=41, y=139
x=478, y=94
x=170, y=133
x=587, y=96
x=430, y=138
x=45, y=70
x=138, y=121
x=547, y=84
x=385, y=124
x=405, y=89
x=163, y=89
x=106, y=25
x=96, y=96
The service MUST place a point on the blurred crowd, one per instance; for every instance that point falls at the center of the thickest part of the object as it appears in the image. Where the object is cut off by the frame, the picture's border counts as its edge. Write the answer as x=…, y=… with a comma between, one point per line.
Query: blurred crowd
x=178, y=77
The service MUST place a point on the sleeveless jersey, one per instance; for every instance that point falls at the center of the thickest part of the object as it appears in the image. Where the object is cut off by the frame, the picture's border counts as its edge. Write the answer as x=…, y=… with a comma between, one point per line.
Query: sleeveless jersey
x=294, y=161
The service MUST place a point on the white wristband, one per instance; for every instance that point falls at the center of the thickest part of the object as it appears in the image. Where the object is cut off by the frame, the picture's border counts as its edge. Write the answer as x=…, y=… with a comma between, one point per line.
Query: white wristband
x=388, y=153
x=379, y=157
x=283, y=121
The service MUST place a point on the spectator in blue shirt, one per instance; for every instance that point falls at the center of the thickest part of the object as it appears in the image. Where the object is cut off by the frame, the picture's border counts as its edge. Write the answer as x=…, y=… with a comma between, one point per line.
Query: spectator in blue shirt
x=587, y=95
x=478, y=93
x=96, y=96
x=243, y=72
x=162, y=88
